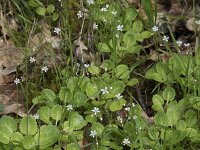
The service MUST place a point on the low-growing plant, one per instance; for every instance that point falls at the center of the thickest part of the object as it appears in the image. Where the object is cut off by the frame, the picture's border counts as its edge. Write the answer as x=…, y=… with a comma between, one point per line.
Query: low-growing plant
x=92, y=107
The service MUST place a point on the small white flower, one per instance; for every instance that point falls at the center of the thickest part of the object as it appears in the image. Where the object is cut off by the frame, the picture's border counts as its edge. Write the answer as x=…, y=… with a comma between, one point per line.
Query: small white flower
x=186, y=44
x=127, y=108
x=57, y=30
x=134, y=117
x=17, y=81
x=45, y=69
x=80, y=14
x=32, y=59
x=103, y=9
x=155, y=28
x=120, y=119
x=86, y=65
x=133, y=105
x=93, y=133
x=126, y=141
x=105, y=90
x=179, y=42
x=118, y=96
x=197, y=22
x=95, y=110
x=111, y=88
x=165, y=38
x=107, y=5
x=69, y=107
x=117, y=35
x=120, y=27
x=114, y=12
x=36, y=116
x=95, y=26
x=90, y=2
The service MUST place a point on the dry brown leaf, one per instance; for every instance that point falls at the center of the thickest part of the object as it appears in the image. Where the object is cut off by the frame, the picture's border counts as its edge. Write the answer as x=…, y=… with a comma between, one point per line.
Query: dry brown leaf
x=10, y=57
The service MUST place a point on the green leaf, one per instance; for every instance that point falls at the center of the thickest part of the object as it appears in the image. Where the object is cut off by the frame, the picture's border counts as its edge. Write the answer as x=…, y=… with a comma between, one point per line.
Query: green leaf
x=28, y=142
x=117, y=105
x=92, y=90
x=137, y=26
x=41, y=11
x=145, y=34
x=169, y=94
x=122, y=72
x=98, y=127
x=158, y=103
x=76, y=121
x=65, y=95
x=28, y=125
x=47, y=136
x=55, y=16
x=173, y=113
x=48, y=95
x=133, y=48
x=117, y=87
x=33, y=3
x=161, y=119
x=79, y=99
x=50, y=8
x=45, y=114
x=129, y=38
x=153, y=133
x=133, y=82
x=130, y=14
x=7, y=127
x=91, y=119
x=16, y=137
x=73, y=146
x=94, y=70
x=37, y=100
x=108, y=64
x=56, y=112
x=103, y=47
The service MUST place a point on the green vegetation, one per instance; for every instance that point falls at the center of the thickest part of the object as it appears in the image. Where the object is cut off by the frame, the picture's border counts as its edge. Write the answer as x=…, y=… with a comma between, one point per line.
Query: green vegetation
x=85, y=73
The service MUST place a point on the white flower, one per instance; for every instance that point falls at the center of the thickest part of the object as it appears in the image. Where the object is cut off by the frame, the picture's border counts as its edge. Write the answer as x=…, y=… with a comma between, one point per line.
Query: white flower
x=32, y=59
x=197, y=22
x=69, y=107
x=133, y=105
x=57, y=30
x=93, y=133
x=127, y=108
x=107, y=5
x=103, y=9
x=155, y=28
x=90, y=2
x=165, y=38
x=126, y=141
x=114, y=12
x=179, y=42
x=120, y=27
x=17, y=81
x=134, y=117
x=117, y=35
x=120, y=119
x=105, y=90
x=95, y=110
x=36, y=116
x=45, y=68
x=186, y=44
x=118, y=96
x=86, y=65
x=79, y=14
x=95, y=26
